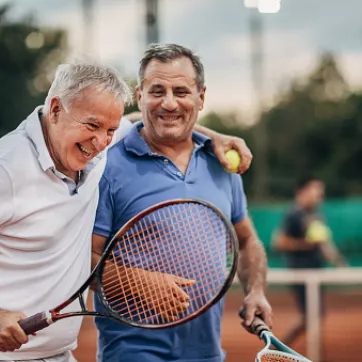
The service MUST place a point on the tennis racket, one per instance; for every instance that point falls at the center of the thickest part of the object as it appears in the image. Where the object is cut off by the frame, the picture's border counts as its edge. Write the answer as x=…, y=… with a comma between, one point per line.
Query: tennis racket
x=282, y=353
x=164, y=267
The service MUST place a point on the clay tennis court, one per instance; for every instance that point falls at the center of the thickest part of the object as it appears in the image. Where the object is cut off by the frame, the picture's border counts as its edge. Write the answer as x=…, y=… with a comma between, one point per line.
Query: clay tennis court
x=342, y=328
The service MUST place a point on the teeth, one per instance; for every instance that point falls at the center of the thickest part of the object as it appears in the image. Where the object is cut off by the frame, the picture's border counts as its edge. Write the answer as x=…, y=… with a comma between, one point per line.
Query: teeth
x=84, y=150
x=168, y=118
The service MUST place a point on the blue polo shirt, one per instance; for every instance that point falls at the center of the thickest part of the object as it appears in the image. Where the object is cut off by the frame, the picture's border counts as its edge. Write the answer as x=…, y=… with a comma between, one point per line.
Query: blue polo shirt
x=134, y=179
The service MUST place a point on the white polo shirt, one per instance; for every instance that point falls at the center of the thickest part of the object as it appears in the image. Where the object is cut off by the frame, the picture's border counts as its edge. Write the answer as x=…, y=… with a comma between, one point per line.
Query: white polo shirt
x=45, y=234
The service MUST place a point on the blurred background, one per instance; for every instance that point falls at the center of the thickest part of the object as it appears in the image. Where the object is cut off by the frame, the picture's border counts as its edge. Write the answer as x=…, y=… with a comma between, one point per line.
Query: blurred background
x=286, y=77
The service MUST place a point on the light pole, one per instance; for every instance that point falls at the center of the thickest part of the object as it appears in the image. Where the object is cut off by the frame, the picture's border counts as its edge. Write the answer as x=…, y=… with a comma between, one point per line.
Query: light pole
x=257, y=72
x=151, y=21
x=88, y=23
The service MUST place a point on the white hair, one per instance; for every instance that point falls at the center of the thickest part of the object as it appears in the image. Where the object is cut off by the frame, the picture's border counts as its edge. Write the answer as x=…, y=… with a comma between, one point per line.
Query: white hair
x=72, y=78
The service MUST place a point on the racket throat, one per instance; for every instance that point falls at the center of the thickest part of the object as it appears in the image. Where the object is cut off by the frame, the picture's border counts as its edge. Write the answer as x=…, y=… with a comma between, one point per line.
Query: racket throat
x=51, y=317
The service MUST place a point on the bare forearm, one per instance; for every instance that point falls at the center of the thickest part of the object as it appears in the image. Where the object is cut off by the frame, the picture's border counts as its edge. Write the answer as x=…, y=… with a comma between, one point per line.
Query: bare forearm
x=252, y=266
x=206, y=131
x=287, y=243
x=331, y=254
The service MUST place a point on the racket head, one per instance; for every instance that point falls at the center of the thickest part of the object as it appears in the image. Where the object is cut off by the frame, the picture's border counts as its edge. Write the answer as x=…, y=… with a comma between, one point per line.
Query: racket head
x=278, y=356
x=182, y=238
x=282, y=353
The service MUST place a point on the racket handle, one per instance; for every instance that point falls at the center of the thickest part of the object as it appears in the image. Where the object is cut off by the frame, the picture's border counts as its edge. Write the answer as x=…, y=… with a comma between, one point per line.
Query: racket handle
x=257, y=325
x=34, y=323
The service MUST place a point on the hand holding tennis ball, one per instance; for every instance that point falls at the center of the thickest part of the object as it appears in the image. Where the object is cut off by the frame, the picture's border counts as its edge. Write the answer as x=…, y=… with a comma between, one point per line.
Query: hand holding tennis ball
x=234, y=159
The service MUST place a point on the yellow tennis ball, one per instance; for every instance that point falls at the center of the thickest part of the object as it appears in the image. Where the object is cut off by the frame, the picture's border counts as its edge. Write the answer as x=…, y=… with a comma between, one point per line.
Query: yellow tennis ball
x=234, y=159
x=317, y=232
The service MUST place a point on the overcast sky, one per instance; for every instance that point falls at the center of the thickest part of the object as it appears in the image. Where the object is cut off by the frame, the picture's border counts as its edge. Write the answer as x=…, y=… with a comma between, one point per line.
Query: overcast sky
x=218, y=30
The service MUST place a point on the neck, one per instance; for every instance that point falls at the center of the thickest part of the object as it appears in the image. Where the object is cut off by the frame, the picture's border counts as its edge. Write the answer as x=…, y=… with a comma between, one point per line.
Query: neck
x=179, y=152
x=168, y=149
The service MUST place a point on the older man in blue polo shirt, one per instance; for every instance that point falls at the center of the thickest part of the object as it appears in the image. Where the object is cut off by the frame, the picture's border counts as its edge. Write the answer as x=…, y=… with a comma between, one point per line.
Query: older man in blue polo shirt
x=160, y=159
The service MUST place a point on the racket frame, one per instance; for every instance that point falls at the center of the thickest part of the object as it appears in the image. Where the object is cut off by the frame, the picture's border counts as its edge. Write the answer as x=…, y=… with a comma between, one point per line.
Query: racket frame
x=229, y=280
x=269, y=340
x=259, y=328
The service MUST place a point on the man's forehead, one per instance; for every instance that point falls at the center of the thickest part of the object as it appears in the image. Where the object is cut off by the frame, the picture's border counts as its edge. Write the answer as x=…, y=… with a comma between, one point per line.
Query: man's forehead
x=178, y=70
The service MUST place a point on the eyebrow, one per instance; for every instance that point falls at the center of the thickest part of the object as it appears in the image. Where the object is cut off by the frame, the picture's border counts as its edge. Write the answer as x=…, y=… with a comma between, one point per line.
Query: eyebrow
x=177, y=88
x=153, y=86
x=94, y=119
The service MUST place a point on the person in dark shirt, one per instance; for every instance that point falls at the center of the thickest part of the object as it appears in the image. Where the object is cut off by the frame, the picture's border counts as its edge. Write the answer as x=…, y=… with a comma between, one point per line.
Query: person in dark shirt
x=306, y=242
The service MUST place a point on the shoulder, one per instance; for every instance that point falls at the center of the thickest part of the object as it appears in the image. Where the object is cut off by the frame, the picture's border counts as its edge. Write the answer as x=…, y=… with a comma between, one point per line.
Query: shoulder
x=16, y=150
x=294, y=214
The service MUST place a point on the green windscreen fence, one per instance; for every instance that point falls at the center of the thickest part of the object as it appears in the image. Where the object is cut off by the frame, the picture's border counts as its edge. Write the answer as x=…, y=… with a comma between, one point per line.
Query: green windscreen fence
x=344, y=217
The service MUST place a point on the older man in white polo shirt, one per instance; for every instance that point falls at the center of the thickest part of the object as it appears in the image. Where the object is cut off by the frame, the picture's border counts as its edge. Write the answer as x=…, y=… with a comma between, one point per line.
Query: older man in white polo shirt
x=50, y=167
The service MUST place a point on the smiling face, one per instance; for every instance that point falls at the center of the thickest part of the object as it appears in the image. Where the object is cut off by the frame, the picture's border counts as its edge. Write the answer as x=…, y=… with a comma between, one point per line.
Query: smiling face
x=170, y=100
x=77, y=134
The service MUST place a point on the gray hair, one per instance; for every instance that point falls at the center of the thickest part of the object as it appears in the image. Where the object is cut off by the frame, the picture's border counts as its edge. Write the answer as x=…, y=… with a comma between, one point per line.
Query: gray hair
x=167, y=52
x=72, y=78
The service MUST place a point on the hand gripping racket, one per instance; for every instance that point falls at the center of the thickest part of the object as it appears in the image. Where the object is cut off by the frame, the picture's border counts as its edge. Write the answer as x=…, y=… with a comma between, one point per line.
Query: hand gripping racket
x=164, y=267
x=282, y=353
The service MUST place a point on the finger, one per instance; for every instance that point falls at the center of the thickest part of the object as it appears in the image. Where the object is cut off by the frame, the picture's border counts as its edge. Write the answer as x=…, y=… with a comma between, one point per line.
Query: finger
x=247, y=328
x=179, y=306
x=180, y=295
x=9, y=342
x=249, y=315
x=183, y=282
x=242, y=149
x=220, y=154
x=267, y=317
x=19, y=334
x=244, y=164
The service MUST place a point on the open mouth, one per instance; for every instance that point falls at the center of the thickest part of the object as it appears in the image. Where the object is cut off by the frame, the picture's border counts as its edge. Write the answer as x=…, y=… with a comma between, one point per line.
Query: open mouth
x=170, y=118
x=86, y=153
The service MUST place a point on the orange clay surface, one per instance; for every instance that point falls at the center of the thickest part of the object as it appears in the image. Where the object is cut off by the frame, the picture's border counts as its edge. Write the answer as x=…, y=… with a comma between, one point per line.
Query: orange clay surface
x=342, y=328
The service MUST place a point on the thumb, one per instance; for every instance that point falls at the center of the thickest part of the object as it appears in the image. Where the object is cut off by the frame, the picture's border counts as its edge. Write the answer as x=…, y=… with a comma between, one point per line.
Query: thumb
x=249, y=316
x=183, y=282
x=222, y=159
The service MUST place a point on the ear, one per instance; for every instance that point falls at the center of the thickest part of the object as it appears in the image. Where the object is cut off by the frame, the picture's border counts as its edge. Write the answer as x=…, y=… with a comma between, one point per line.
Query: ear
x=139, y=97
x=54, y=109
x=202, y=98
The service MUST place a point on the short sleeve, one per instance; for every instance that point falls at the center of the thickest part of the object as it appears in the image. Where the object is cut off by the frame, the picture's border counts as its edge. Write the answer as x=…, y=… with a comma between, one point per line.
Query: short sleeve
x=293, y=224
x=7, y=196
x=124, y=126
x=239, y=202
x=104, y=216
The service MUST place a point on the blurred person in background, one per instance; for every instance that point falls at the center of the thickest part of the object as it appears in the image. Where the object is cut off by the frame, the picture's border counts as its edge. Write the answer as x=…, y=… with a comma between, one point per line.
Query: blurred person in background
x=306, y=241
x=50, y=167
x=163, y=148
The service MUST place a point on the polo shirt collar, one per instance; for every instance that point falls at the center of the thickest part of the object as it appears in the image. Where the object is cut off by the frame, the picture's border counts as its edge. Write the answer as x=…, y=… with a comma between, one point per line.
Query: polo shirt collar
x=35, y=133
x=135, y=143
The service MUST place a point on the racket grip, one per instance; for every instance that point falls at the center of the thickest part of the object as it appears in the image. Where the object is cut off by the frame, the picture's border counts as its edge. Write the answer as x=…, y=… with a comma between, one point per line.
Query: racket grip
x=34, y=323
x=257, y=325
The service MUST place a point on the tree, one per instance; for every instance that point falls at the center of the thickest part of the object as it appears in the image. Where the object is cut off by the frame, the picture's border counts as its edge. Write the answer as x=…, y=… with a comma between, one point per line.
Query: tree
x=29, y=56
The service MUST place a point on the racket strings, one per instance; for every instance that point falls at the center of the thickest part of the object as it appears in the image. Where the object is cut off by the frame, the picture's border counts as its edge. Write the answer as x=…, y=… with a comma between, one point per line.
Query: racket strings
x=275, y=356
x=141, y=277
x=112, y=289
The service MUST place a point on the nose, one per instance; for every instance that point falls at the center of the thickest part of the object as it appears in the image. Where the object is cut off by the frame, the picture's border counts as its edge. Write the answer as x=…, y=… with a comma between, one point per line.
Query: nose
x=169, y=102
x=101, y=141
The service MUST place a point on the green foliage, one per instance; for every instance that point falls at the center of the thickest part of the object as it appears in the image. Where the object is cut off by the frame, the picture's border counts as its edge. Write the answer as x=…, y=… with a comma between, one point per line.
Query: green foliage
x=29, y=56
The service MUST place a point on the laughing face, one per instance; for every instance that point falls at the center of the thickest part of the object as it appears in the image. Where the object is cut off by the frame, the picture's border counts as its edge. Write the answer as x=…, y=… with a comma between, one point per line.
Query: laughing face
x=170, y=100
x=77, y=134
